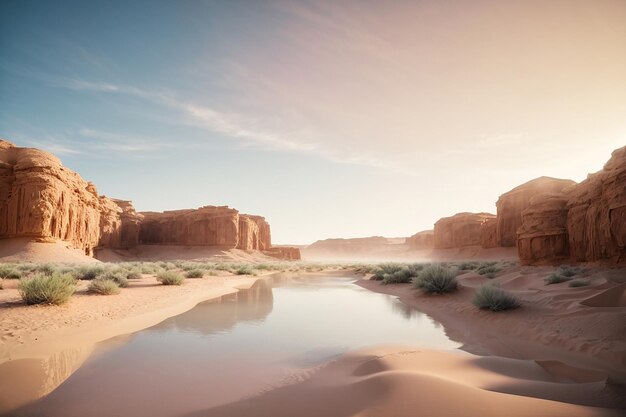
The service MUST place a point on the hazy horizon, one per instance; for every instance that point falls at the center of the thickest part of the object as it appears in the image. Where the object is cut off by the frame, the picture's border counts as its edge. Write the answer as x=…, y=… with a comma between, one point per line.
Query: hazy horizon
x=344, y=119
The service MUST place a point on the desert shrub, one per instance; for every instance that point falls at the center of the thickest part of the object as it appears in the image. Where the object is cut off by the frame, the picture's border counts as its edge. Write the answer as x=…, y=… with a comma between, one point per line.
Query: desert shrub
x=117, y=276
x=1, y=287
x=134, y=273
x=8, y=272
x=89, y=271
x=194, y=273
x=491, y=297
x=579, y=283
x=437, y=279
x=244, y=270
x=46, y=269
x=170, y=278
x=103, y=286
x=384, y=270
x=487, y=269
x=47, y=289
x=567, y=271
x=555, y=278
x=468, y=265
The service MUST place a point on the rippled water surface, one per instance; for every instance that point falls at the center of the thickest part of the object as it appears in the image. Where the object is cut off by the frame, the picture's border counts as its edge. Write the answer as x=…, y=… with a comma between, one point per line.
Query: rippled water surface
x=234, y=347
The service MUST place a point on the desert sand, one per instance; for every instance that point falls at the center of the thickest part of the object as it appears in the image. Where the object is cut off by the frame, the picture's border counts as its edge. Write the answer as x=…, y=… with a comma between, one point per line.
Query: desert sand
x=40, y=346
x=397, y=382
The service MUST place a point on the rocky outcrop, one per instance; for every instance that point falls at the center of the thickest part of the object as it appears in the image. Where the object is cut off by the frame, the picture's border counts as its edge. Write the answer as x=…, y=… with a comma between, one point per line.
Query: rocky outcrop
x=41, y=199
x=489, y=233
x=583, y=223
x=596, y=218
x=510, y=205
x=543, y=236
x=460, y=230
x=421, y=241
x=284, y=252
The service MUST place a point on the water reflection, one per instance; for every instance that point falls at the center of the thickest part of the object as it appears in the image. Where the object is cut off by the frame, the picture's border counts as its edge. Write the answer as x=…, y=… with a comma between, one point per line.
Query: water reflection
x=234, y=347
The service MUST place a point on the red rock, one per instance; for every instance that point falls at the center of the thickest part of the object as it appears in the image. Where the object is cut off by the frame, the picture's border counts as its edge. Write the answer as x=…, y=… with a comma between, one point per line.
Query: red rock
x=596, y=220
x=462, y=229
x=511, y=204
x=421, y=240
x=489, y=233
x=254, y=233
x=284, y=252
x=130, y=225
x=543, y=236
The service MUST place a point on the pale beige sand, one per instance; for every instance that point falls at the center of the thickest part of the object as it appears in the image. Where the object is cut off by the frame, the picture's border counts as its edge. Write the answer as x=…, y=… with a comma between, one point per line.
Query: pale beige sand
x=584, y=326
x=27, y=249
x=40, y=346
x=395, y=382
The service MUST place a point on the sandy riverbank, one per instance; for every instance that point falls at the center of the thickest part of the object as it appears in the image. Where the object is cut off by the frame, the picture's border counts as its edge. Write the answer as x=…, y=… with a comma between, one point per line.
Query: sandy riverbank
x=40, y=346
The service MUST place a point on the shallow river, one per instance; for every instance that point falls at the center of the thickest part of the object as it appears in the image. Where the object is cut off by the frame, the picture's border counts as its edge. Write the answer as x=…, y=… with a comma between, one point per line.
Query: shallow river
x=235, y=347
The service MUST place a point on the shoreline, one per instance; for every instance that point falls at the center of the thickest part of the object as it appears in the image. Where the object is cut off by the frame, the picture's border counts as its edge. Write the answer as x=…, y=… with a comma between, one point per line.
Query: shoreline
x=33, y=362
x=541, y=330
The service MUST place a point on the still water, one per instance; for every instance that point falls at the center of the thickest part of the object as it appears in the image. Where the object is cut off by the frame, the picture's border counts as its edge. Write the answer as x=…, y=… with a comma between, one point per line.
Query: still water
x=235, y=347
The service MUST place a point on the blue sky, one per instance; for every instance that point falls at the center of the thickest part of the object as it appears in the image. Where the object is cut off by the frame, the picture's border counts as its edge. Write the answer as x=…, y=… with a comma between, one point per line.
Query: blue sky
x=331, y=119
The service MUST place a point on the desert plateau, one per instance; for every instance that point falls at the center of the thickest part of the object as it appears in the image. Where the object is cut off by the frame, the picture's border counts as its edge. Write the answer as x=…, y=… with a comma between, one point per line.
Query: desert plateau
x=308, y=208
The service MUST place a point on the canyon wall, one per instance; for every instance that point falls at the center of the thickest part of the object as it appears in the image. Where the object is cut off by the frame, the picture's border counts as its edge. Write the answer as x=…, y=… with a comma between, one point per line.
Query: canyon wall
x=421, y=240
x=510, y=206
x=583, y=223
x=43, y=200
x=462, y=229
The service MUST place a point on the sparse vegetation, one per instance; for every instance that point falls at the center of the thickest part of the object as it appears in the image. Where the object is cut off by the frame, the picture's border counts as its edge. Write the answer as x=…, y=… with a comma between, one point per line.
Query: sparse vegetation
x=579, y=283
x=8, y=272
x=555, y=278
x=567, y=271
x=89, y=272
x=244, y=270
x=170, y=278
x=491, y=297
x=103, y=286
x=134, y=273
x=47, y=289
x=437, y=278
x=118, y=276
x=489, y=269
x=194, y=273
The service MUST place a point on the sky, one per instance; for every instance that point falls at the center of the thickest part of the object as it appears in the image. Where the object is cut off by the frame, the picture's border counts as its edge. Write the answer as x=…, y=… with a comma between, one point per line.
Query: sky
x=330, y=118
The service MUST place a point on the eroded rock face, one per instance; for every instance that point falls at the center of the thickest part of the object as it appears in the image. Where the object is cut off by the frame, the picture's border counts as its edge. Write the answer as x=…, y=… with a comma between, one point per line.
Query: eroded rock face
x=130, y=225
x=40, y=198
x=596, y=219
x=284, y=252
x=462, y=229
x=254, y=233
x=421, y=240
x=510, y=205
x=543, y=236
x=489, y=233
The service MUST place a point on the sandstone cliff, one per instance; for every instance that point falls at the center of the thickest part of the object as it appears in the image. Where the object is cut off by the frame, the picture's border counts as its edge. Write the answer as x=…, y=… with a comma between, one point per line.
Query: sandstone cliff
x=510, y=205
x=462, y=229
x=42, y=199
x=421, y=240
x=596, y=218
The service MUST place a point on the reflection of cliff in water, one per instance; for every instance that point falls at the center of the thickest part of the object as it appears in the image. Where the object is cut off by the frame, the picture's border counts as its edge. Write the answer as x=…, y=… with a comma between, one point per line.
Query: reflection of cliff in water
x=222, y=314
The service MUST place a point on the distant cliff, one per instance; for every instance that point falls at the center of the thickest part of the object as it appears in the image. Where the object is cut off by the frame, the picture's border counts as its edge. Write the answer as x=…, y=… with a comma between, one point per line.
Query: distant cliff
x=42, y=199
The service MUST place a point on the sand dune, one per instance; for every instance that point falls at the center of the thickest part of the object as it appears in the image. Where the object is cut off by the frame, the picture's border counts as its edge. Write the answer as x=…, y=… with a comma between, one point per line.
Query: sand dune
x=28, y=249
x=395, y=382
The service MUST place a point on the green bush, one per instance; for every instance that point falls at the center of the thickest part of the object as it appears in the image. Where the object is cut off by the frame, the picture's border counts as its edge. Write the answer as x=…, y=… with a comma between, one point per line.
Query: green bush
x=9, y=272
x=555, y=278
x=89, y=272
x=244, y=270
x=118, y=276
x=103, y=286
x=468, y=265
x=437, y=279
x=490, y=297
x=489, y=269
x=47, y=269
x=134, y=273
x=47, y=289
x=170, y=278
x=567, y=271
x=579, y=283
x=194, y=273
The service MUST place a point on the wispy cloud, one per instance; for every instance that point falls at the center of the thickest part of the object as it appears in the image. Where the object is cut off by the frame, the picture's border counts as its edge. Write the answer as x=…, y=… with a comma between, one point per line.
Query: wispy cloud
x=249, y=131
x=122, y=143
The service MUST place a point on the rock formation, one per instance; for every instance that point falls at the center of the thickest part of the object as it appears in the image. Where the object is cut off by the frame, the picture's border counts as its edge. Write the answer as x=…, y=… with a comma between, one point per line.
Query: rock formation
x=421, y=240
x=510, y=205
x=284, y=252
x=355, y=249
x=489, y=233
x=542, y=238
x=584, y=223
x=41, y=199
x=462, y=229
x=596, y=218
